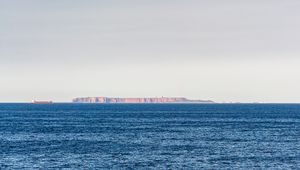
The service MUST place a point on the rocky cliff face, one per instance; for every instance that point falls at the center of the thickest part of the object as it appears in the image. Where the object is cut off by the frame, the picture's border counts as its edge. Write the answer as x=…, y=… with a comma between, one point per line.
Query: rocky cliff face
x=138, y=100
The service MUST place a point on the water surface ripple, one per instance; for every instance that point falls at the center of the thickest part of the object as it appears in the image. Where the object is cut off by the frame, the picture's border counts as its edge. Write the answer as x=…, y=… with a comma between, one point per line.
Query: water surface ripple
x=149, y=136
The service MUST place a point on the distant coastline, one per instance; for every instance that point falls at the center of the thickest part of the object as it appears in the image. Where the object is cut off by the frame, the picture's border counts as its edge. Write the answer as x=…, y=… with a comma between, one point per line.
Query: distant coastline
x=138, y=100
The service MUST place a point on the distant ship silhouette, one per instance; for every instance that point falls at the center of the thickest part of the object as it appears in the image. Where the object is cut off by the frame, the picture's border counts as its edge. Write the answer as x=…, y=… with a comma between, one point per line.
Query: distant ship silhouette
x=41, y=102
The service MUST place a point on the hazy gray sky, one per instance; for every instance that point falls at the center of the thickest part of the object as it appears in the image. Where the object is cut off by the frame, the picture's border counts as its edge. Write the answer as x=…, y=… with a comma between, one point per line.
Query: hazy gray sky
x=230, y=50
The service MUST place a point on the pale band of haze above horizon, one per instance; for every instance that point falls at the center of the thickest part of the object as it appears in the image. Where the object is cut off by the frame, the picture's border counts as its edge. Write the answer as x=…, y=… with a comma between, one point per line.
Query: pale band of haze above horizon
x=226, y=51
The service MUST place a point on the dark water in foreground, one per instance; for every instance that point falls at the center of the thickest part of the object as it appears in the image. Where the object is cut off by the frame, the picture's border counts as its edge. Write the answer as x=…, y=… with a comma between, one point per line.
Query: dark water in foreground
x=161, y=136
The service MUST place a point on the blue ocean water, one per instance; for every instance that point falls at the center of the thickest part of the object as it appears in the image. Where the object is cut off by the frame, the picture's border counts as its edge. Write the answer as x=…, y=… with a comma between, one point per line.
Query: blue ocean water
x=150, y=136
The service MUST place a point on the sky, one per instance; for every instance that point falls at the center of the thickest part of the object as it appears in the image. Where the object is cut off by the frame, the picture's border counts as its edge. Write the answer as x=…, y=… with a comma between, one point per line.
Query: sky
x=226, y=51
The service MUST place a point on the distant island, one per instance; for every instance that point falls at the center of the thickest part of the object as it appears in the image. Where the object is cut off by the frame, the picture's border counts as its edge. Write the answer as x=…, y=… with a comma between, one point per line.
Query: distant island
x=138, y=100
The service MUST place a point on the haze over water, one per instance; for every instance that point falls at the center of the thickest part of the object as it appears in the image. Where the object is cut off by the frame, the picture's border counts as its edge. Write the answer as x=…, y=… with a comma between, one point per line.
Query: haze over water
x=225, y=51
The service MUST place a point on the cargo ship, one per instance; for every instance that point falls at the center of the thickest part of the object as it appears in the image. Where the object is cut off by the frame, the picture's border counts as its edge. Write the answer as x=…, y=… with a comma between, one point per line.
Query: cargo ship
x=41, y=102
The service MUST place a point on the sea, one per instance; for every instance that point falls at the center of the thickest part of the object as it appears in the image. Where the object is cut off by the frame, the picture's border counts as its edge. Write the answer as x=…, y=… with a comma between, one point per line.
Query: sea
x=150, y=136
